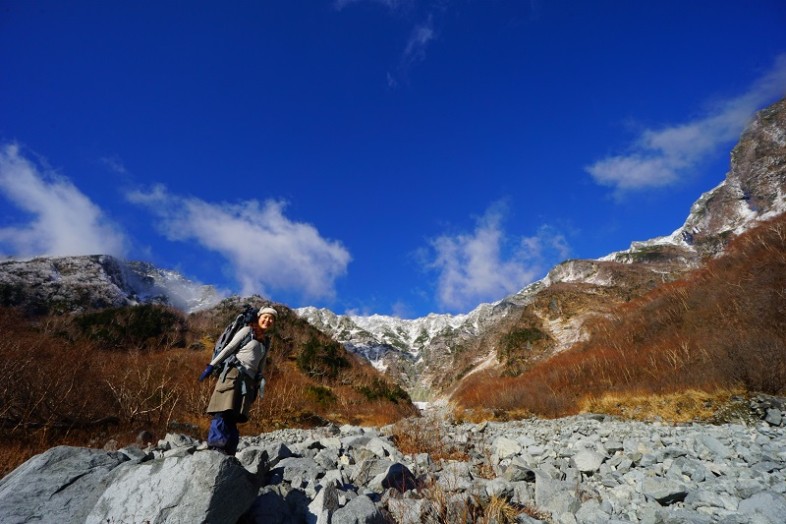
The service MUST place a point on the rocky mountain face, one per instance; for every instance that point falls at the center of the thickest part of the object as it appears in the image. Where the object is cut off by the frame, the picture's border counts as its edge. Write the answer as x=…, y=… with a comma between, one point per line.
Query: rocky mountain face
x=413, y=351
x=753, y=190
x=62, y=284
x=431, y=354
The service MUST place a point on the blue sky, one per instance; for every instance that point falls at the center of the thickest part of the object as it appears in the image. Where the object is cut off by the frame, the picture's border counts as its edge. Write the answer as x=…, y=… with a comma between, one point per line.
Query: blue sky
x=370, y=156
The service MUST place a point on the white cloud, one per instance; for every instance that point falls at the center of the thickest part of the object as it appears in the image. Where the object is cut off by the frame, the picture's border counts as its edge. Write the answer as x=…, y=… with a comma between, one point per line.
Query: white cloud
x=487, y=265
x=401, y=309
x=113, y=164
x=419, y=39
x=62, y=221
x=660, y=157
x=265, y=249
x=414, y=51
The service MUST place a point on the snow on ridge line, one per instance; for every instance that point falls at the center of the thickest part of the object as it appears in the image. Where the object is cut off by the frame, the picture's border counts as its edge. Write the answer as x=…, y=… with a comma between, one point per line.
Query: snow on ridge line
x=375, y=320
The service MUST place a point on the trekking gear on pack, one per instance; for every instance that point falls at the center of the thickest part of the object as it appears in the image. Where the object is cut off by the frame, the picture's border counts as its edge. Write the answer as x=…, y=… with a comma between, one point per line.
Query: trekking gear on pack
x=248, y=314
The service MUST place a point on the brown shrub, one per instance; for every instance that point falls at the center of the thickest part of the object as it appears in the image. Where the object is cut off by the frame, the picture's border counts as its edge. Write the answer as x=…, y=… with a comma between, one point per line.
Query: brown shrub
x=425, y=435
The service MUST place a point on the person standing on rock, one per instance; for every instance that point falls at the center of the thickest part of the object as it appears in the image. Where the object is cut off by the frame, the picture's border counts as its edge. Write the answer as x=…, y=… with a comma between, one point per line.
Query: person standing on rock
x=240, y=382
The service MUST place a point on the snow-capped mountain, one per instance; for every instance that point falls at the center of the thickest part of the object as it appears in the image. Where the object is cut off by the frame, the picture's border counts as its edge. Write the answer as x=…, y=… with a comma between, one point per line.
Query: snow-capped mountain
x=60, y=284
x=411, y=349
x=380, y=338
x=431, y=353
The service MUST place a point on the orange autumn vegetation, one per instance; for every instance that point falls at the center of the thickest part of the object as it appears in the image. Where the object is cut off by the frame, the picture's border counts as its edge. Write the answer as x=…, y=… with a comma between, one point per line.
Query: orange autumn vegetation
x=719, y=329
x=87, y=379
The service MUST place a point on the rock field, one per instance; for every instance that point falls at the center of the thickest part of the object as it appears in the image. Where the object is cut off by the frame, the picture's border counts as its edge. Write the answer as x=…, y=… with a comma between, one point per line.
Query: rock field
x=583, y=469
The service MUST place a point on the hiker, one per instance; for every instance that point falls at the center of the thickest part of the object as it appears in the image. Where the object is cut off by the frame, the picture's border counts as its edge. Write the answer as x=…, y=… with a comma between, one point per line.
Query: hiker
x=240, y=381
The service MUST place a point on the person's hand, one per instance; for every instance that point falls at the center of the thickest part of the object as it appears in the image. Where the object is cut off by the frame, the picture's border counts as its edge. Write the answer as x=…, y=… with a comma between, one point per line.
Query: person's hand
x=206, y=373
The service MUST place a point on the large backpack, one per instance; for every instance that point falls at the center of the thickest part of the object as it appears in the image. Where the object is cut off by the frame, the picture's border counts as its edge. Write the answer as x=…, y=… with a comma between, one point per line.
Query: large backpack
x=248, y=314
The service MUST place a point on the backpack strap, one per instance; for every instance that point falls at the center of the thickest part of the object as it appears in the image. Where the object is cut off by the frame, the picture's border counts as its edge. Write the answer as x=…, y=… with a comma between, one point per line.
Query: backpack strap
x=232, y=361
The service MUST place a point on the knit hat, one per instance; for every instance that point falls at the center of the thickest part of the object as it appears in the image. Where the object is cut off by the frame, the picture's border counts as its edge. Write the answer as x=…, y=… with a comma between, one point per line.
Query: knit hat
x=268, y=311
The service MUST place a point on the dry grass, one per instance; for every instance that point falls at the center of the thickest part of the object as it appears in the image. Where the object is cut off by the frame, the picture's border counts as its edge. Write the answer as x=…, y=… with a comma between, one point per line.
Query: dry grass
x=15, y=452
x=448, y=507
x=426, y=435
x=685, y=406
x=462, y=414
x=501, y=511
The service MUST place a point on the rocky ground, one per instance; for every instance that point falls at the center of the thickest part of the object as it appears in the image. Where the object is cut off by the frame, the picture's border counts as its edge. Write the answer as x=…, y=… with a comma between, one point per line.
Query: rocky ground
x=583, y=469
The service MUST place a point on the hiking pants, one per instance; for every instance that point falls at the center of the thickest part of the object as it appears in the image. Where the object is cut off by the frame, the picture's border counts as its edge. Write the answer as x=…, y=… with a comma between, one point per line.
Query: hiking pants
x=223, y=434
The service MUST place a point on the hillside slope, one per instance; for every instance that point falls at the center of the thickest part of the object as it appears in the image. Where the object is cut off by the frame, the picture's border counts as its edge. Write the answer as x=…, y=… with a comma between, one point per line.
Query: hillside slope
x=718, y=329
x=432, y=354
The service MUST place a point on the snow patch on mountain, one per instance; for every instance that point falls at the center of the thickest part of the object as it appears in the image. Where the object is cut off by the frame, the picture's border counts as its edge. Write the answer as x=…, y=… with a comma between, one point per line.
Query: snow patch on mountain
x=66, y=284
x=380, y=338
x=148, y=283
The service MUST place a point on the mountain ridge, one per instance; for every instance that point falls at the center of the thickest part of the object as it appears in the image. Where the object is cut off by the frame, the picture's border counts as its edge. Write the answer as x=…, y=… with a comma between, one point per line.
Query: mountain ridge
x=752, y=191
x=430, y=354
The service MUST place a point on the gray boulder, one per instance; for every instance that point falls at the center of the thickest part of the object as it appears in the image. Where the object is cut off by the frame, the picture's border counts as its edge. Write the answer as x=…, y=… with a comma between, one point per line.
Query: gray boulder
x=665, y=491
x=300, y=471
x=323, y=505
x=269, y=508
x=59, y=485
x=397, y=476
x=771, y=506
x=588, y=461
x=206, y=487
x=517, y=471
x=360, y=510
x=555, y=496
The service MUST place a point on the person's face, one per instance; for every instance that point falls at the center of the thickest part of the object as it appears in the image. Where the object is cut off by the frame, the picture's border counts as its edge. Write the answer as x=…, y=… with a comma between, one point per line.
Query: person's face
x=266, y=321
